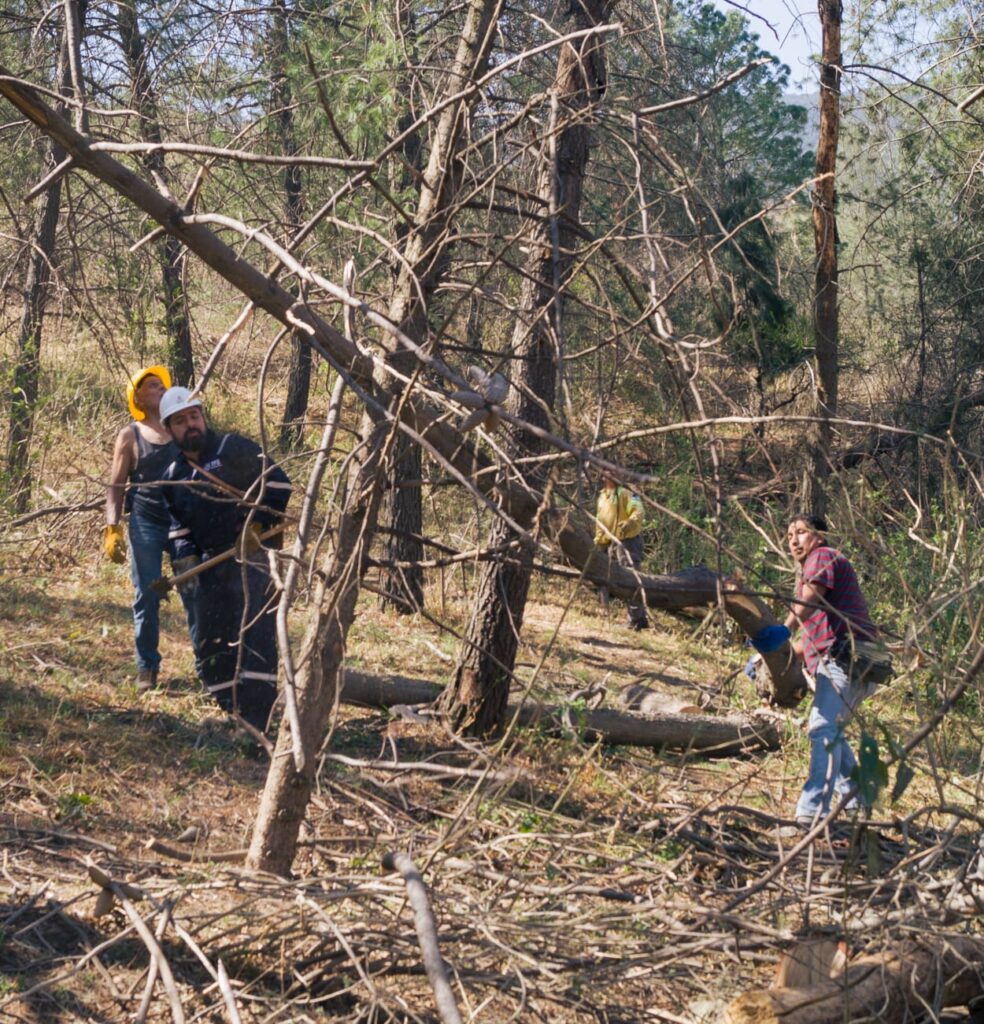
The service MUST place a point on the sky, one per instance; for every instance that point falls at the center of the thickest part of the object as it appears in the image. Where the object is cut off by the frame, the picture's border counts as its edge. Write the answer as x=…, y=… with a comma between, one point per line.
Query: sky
x=788, y=28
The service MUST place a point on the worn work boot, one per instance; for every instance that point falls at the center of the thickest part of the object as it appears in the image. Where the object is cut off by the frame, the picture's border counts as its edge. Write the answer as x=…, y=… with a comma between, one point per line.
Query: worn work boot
x=146, y=680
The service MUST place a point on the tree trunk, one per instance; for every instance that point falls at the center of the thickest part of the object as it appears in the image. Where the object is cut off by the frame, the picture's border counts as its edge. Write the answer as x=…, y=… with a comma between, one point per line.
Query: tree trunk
x=287, y=791
x=37, y=291
x=299, y=375
x=825, y=241
x=177, y=325
x=476, y=700
x=425, y=252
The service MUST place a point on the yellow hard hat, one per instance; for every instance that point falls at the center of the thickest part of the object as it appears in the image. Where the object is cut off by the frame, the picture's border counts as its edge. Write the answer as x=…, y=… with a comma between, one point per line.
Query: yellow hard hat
x=152, y=371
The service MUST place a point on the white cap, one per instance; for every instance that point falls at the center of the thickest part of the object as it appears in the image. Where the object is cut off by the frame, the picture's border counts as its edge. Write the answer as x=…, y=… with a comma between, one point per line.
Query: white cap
x=174, y=400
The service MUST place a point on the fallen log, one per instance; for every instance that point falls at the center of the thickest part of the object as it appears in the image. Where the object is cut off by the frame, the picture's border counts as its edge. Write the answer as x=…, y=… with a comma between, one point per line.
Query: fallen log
x=710, y=734
x=936, y=972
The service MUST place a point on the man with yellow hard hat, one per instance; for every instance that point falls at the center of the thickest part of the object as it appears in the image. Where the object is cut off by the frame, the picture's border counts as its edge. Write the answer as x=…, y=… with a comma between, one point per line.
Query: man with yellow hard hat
x=143, y=451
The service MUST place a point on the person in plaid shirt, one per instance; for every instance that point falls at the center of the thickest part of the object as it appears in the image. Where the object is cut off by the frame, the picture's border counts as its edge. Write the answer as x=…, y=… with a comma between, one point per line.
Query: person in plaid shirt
x=831, y=614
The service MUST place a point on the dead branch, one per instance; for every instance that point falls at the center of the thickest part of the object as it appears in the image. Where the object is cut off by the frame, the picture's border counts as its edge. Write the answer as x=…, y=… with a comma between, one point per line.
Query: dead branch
x=125, y=892
x=156, y=845
x=419, y=418
x=423, y=919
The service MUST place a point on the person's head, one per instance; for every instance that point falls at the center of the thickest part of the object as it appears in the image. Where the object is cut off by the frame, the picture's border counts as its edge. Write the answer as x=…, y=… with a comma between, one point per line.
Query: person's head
x=145, y=390
x=805, y=533
x=607, y=481
x=183, y=416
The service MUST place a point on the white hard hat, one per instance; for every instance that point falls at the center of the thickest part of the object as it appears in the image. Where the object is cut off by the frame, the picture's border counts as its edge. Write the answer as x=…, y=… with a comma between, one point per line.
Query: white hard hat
x=174, y=400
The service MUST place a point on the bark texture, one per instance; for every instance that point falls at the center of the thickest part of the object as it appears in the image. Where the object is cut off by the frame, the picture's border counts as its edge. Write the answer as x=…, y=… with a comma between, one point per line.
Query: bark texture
x=891, y=988
x=177, y=324
x=299, y=374
x=825, y=240
x=476, y=700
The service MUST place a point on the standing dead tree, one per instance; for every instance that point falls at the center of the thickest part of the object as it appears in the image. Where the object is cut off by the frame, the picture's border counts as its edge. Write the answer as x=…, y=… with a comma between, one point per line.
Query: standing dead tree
x=476, y=700
x=825, y=240
x=278, y=49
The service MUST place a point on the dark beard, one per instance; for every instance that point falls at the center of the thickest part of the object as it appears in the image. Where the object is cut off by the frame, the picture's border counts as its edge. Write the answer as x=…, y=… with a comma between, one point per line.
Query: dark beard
x=192, y=441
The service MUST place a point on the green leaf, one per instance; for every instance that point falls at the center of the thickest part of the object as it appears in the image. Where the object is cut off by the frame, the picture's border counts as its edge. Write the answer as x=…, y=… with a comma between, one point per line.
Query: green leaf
x=903, y=776
x=871, y=773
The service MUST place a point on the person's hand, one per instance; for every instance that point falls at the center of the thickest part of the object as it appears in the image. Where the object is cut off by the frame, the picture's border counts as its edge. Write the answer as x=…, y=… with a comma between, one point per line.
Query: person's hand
x=620, y=531
x=251, y=539
x=752, y=666
x=114, y=543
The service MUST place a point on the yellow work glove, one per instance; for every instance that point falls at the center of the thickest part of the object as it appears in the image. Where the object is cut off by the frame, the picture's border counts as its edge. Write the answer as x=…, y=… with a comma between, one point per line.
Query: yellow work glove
x=251, y=539
x=114, y=543
x=620, y=531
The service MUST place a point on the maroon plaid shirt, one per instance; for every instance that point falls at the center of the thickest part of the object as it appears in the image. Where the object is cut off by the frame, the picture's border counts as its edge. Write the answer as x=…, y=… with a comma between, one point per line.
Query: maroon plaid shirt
x=842, y=612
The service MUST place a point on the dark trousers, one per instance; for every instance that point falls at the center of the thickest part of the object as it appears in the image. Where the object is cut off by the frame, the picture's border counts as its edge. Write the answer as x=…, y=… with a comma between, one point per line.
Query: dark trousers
x=224, y=613
x=630, y=554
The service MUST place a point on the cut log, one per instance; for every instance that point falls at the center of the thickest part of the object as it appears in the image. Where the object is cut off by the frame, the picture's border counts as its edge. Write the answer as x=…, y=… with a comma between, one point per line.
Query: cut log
x=810, y=963
x=902, y=985
x=710, y=734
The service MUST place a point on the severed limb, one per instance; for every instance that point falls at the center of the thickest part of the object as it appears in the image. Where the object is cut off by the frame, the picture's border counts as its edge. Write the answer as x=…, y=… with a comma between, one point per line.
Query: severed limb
x=423, y=919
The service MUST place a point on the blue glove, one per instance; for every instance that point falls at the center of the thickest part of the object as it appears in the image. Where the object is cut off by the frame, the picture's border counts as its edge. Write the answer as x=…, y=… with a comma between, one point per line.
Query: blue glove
x=751, y=667
x=770, y=639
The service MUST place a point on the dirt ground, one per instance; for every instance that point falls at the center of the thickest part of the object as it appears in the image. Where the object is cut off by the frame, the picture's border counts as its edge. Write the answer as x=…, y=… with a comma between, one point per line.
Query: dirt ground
x=571, y=881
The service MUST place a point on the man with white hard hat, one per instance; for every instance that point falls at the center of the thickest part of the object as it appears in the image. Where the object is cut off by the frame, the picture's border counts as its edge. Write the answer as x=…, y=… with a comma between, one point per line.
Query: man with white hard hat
x=223, y=493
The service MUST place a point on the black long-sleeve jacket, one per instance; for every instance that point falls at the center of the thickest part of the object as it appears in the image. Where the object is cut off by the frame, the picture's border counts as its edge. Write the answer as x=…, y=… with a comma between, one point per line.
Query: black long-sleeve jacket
x=205, y=519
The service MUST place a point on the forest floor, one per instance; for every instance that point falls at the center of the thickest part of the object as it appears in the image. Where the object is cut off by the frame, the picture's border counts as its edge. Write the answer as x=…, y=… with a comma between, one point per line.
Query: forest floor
x=572, y=881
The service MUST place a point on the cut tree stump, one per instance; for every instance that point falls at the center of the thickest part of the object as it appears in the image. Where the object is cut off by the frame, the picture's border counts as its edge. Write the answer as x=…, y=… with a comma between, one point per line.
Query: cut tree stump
x=710, y=734
x=892, y=987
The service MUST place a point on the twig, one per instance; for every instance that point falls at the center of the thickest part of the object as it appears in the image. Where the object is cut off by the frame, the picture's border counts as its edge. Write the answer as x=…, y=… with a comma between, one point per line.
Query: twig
x=228, y=995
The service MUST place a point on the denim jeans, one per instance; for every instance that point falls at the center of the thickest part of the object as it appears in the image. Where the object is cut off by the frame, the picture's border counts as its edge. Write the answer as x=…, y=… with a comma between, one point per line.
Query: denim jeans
x=148, y=542
x=831, y=757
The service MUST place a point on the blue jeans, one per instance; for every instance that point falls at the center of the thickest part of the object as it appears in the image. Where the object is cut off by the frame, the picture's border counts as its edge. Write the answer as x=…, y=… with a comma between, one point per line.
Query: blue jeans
x=831, y=757
x=148, y=542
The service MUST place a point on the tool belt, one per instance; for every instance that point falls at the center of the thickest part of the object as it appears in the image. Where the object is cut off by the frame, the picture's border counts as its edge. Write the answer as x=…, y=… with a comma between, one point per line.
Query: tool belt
x=866, y=662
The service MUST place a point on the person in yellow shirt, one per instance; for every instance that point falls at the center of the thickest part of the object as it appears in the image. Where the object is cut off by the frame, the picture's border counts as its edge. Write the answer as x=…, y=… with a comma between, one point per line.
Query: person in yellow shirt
x=619, y=533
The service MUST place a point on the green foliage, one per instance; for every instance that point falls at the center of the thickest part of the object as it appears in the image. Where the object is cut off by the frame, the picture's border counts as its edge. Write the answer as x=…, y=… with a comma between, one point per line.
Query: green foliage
x=871, y=773
x=73, y=805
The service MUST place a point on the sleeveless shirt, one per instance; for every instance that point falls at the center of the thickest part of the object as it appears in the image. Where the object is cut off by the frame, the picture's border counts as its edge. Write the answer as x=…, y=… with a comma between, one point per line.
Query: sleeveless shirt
x=152, y=461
